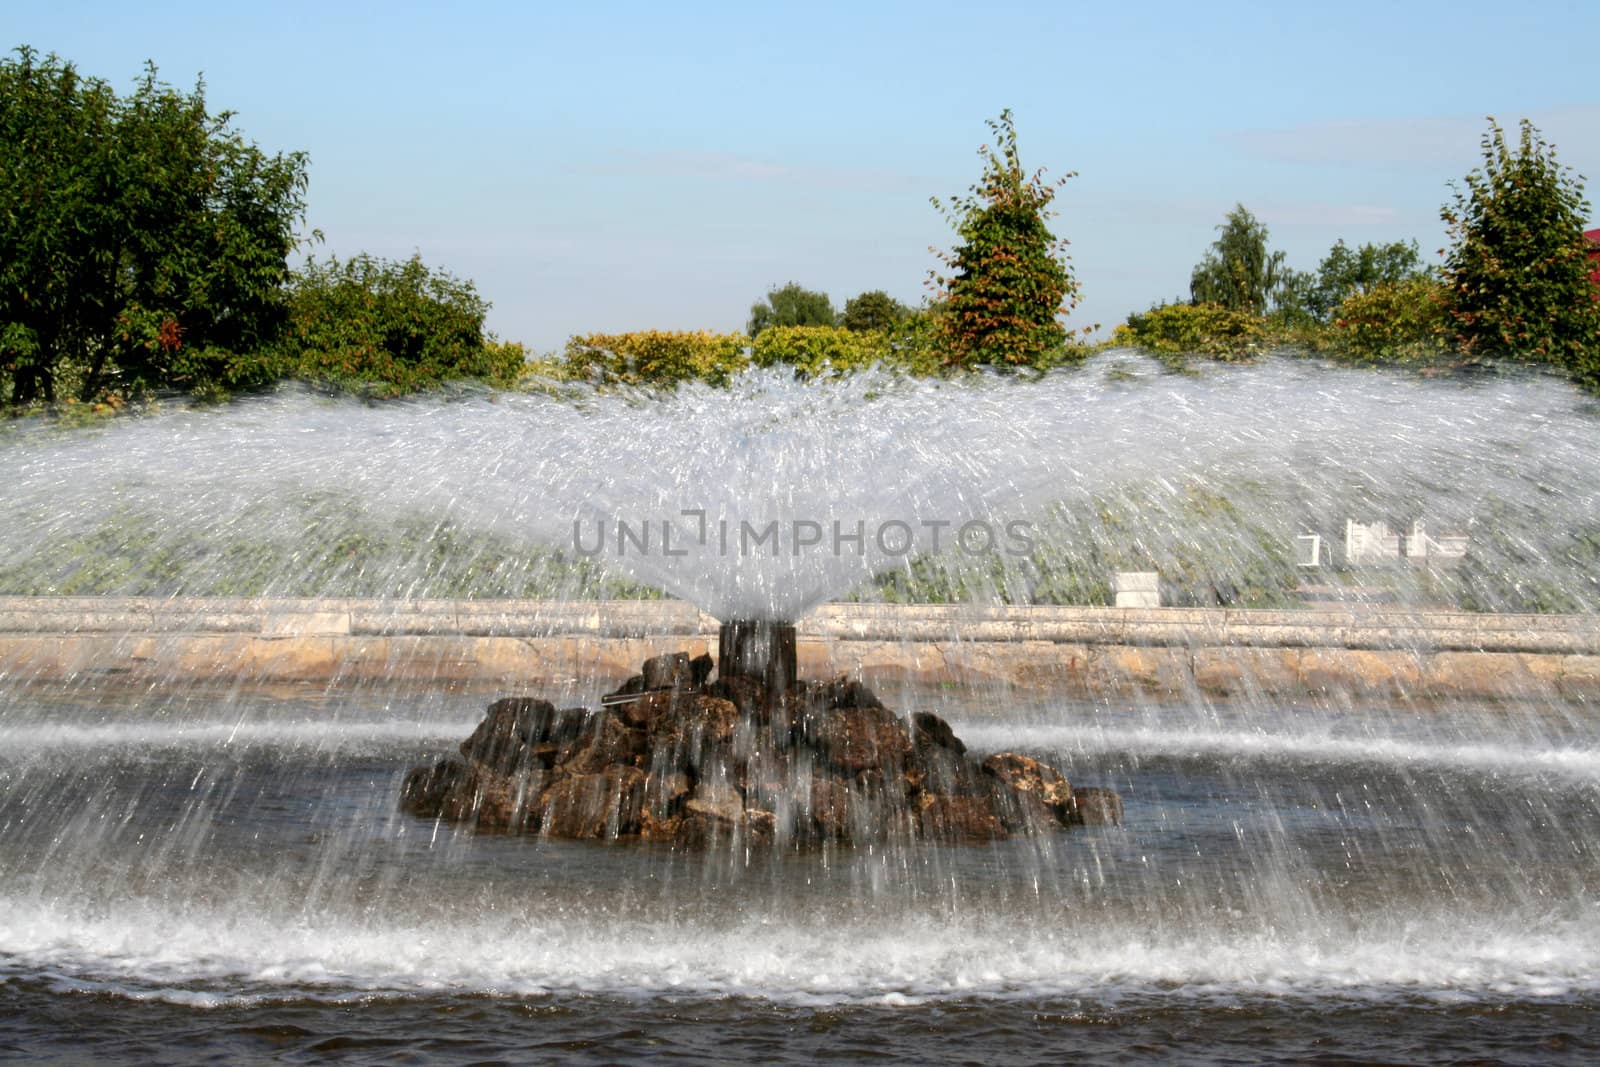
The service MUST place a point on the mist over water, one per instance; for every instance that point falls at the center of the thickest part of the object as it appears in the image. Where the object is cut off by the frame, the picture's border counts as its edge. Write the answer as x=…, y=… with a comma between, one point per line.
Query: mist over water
x=781, y=494
x=194, y=871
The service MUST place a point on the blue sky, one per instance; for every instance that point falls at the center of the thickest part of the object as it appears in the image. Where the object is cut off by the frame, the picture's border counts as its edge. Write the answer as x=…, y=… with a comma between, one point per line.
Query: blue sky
x=618, y=166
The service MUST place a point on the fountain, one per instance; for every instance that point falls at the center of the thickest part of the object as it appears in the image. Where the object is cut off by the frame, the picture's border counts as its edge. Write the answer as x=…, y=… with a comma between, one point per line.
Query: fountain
x=213, y=870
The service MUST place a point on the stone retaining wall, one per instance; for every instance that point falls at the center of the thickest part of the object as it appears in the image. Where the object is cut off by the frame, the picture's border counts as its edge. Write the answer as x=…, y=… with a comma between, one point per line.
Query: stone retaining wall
x=1073, y=651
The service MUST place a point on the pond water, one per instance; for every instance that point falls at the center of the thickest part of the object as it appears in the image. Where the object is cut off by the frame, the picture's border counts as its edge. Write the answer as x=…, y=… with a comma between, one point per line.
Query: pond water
x=200, y=876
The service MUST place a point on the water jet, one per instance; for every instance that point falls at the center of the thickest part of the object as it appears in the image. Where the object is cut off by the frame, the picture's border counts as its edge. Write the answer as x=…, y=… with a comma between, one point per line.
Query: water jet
x=188, y=864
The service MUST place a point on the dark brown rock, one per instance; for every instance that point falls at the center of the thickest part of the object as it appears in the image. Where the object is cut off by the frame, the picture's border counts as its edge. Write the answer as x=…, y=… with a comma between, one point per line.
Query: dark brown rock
x=760, y=826
x=1095, y=806
x=1024, y=812
x=595, y=805
x=769, y=778
x=851, y=693
x=644, y=708
x=723, y=803
x=671, y=671
x=958, y=818
x=928, y=730
x=509, y=731
x=664, y=794
x=713, y=814
x=654, y=827
x=681, y=760
x=607, y=739
x=427, y=786
x=744, y=692
x=502, y=802
x=1027, y=775
x=562, y=733
x=694, y=733
x=946, y=772
x=858, y=738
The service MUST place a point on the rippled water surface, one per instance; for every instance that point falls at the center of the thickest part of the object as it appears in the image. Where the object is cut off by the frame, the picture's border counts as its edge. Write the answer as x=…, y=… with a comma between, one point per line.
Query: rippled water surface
x=196, y=877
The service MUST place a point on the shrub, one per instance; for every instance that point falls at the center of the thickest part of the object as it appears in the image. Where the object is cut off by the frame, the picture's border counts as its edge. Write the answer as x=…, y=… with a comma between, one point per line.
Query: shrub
x=917, y=343
x=658, y=357
x=1518, y=269
x=392, y=327
x=1011, y=281
x=814, y=350
x=1194, y=329
x=506, y=361
x=1406, y=320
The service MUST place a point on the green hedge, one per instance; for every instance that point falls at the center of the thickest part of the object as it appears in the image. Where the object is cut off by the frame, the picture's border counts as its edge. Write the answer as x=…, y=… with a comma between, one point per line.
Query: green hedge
x=814, y=350
x=657, y=357
x=1195, y=329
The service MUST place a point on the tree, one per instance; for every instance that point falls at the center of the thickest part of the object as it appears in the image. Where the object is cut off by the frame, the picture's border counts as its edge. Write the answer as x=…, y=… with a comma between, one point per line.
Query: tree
x=1010, y=280
x=1238, y=272
x=791, y=305
x=1343, y=273
x=1518, y=267
x=873, y=310
x=391, y=326
x=142, y=241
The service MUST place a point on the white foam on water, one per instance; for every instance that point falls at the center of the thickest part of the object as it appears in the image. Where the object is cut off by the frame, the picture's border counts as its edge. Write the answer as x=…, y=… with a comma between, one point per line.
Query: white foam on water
x=196, y=953
x=42, y=737
x=1576, y=764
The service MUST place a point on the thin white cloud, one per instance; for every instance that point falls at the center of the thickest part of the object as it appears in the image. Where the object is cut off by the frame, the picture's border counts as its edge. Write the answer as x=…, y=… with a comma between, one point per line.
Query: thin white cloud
x=1430, y=141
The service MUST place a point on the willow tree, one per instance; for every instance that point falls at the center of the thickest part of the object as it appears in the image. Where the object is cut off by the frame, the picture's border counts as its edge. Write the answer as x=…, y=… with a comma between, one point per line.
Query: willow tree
x=1238, y=272
x=1010, y=281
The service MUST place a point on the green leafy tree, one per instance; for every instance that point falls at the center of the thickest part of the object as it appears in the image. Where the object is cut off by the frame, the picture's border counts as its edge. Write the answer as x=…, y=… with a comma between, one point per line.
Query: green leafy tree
x=1518, y=266
x=1239, y=272
x=1346, y=272
x=873, y=310
x=143, y=242
x=393, y=327
x=791, y=305
x=1010, y=281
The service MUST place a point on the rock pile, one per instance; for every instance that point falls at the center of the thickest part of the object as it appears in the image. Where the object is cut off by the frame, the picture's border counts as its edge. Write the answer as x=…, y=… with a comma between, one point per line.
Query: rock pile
x=673, y=756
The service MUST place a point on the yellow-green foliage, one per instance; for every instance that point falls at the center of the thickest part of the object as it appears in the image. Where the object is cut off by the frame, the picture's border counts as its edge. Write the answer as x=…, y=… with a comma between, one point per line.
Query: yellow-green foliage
x=916, y=344
x=1194, y=329
x=1394, y=321
x=658, y=357
x=504, y=361
x=814, y=350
